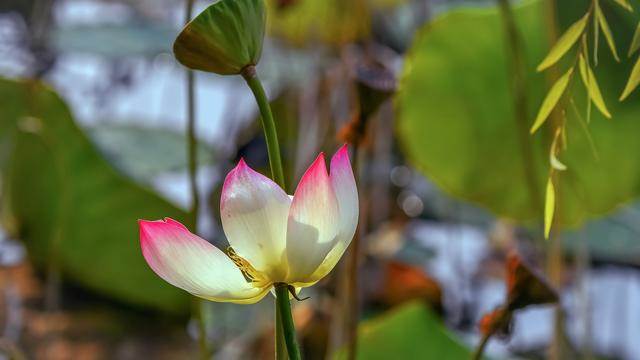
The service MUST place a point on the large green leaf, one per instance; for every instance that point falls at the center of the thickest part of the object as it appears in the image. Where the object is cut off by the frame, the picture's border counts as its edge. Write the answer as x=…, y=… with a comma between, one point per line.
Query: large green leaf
x=69, y=205
x=409, y=332
x=144, y=153
x=457, y=126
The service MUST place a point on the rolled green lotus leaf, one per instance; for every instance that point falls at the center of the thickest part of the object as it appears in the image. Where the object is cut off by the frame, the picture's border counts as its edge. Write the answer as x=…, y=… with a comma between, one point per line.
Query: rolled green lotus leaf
x=223, y=39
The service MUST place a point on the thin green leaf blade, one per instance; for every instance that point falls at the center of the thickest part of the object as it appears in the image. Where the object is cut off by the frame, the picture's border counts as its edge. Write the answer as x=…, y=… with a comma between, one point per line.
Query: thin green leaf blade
x=591, y=84
x=566, y=41
x=625, y=4
x=596, y=40
x=634, y=81
x=549, y=208
x=557, y=164
x=635, y=43
x=551, y=100
x=606, y=30
x=553, y=158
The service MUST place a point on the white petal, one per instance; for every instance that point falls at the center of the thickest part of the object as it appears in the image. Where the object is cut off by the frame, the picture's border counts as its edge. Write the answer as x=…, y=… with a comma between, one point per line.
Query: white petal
x=313, y=223
x=344, y=186
x=186, y=261
x=254, y=213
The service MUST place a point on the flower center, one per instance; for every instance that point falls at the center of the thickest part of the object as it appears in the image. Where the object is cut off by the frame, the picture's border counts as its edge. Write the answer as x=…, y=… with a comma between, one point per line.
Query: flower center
x=248, y=271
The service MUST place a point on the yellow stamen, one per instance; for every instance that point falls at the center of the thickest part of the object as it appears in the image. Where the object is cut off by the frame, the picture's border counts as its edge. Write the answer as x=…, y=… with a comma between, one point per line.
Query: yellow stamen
x=250, y=273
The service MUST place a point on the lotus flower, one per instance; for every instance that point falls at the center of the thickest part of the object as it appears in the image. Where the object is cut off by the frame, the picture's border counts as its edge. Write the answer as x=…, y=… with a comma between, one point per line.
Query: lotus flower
x=274, y=238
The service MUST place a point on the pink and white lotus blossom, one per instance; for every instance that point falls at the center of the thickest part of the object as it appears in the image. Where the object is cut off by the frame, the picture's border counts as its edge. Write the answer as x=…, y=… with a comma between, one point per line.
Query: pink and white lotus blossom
x=274, y=238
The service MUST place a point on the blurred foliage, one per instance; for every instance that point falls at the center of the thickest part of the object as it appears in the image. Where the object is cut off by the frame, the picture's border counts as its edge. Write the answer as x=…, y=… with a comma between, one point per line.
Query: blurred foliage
x=456, y=121
x=299, y=22
x=525, y=287
x=408, y=332
x=72, y=209
x=332, y=22
x=611, y=240
x=144, y=153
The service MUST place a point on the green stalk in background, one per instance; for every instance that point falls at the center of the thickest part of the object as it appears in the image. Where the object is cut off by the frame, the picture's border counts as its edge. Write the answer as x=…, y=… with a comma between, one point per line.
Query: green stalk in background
x=192, y=154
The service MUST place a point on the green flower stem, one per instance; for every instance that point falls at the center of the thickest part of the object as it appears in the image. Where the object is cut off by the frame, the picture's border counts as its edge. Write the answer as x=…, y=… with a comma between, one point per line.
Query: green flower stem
x=281, y=346
x=288, y=327
x=268, y=124
x=277, y=174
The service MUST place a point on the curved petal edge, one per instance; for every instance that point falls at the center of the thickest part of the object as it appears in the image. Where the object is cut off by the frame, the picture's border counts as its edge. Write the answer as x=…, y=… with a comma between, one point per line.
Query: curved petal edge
x=188, y=262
